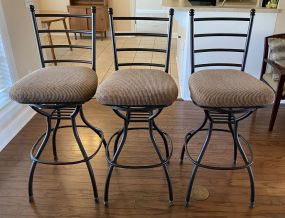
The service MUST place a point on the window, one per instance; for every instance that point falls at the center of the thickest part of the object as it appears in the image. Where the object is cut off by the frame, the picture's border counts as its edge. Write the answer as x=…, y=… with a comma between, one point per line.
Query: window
x=5, y=77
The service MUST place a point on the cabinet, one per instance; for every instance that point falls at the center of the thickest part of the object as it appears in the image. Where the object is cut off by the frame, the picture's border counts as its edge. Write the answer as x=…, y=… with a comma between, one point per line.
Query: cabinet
x=83, y=7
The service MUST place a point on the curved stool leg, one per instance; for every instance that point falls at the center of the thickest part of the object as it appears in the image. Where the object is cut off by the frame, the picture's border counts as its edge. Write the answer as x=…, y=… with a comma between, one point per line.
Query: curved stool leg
x=163, y=138
x=111, y=167
x=54, y=136
x=189, y=135
x=249, y=169
x=37, y=156
x=84, y=154
x=195, y=168
x=151, y=125
x=97, y=131
x=117, y=141
x=235, y=143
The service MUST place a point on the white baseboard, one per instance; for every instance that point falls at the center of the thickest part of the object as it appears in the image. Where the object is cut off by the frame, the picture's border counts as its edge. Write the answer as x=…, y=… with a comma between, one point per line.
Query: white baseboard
x=13, y=118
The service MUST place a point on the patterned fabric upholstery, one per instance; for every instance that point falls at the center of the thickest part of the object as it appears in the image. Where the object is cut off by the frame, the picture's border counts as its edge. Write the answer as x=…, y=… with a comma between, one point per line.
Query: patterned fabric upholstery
x=61, y=84
x=276, y=50
x=137, y=87
x=273, y=83
x=228, y=88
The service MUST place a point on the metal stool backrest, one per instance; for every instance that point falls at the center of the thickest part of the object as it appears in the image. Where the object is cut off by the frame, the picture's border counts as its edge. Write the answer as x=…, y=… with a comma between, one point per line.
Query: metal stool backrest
x=40, y=31
x=168, y=35
x=244, y=51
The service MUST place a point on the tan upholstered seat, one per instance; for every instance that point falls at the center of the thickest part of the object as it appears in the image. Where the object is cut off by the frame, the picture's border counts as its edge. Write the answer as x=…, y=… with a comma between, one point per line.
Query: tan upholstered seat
x=56, y=85
x=137, y=87
x=228, y=88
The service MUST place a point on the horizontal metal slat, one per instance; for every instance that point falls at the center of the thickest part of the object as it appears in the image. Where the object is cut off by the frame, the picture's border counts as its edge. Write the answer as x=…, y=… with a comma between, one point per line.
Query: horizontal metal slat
x=222, y=19
x=141, y=64
x=68, y=61
x=217, y=65
x=63, y=15
x=220, y=34
x=142, y=49
x=142, y=18
x=218, y=50
x=142, y=34
x=67, y=46
x=65, y=31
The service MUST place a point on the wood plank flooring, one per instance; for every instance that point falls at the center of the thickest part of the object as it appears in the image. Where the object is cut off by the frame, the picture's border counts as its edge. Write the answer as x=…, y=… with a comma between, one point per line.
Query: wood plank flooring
x=65, y=191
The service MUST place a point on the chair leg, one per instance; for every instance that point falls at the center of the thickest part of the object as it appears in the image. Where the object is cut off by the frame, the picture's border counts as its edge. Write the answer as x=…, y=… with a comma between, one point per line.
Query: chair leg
x=52, y=49
x=37, y=156
x=163, y=138
x=189, y=135
x=117, y=140
x=67, y=34
x=249, y=169
x=274, y=113
x=235, y=143
x=151, y=126
x=195, y=168
x=114, y=160
x=85, y=156
x=96, y=130
x=54, y=137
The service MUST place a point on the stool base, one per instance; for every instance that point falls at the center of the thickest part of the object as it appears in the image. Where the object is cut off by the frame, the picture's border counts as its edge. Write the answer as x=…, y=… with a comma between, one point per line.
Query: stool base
x=231, y=117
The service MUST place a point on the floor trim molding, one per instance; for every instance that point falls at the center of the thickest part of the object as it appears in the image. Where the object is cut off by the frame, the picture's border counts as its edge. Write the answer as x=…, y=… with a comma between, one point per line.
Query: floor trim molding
x=13, y=118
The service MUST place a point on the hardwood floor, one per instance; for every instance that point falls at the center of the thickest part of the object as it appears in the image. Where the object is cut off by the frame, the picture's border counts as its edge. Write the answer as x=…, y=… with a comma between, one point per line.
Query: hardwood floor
x=65, y=191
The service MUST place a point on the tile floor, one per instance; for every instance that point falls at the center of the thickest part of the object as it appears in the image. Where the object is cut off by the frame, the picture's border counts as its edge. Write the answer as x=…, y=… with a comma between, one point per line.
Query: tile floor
x=104, y=53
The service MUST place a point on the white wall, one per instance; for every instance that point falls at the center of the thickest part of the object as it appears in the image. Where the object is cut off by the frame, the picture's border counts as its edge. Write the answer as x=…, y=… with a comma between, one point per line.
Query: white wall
x=148, y=4
x=280, y=27
x=20, y=46
x=53, y=5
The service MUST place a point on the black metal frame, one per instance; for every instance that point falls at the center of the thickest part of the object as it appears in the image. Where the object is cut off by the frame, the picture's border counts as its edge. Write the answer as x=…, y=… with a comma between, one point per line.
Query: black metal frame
x=63, y=111
x=230, y=116
x=140, y=114
x=42, y=31
x=168, y=36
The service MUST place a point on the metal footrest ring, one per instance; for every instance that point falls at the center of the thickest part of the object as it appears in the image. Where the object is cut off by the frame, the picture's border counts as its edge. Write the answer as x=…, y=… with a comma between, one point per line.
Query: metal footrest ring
x=250, y=161
x=65, y=162
x=170, y=146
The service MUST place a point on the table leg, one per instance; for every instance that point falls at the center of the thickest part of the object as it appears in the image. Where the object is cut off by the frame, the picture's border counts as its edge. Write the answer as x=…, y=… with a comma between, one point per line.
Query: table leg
x=51, y=43
x=67, y=34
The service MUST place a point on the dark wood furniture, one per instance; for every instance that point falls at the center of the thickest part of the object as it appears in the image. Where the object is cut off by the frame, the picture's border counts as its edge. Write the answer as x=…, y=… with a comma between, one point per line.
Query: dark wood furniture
x=82, y=7
x=279, y=88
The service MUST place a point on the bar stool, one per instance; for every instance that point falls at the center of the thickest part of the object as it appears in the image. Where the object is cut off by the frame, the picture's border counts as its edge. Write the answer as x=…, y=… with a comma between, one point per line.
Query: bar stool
x=58, y=93
x=48, y=23
x=227, y=96
x=139, y=96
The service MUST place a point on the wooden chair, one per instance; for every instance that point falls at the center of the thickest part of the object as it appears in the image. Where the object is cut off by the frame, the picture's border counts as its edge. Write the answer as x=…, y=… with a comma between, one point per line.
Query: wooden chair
x=277, y=86
x=48, y=23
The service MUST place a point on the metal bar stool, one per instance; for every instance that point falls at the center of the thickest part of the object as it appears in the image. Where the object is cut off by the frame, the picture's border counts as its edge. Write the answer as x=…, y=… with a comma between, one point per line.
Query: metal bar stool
x=139, y=96
x=58, y=93
x=227, y=96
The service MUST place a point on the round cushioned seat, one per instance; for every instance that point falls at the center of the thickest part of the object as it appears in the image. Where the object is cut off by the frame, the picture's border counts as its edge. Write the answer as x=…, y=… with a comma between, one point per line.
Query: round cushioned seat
x=228, y=88
x=137, y=87
x=61, y=84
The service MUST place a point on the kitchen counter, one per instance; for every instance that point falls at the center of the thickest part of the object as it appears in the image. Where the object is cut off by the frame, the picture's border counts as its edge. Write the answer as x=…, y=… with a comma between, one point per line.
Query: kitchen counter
x=229, y=6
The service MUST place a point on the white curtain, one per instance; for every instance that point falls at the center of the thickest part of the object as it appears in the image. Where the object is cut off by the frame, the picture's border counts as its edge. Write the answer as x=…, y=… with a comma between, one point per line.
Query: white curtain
x=5, y=77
